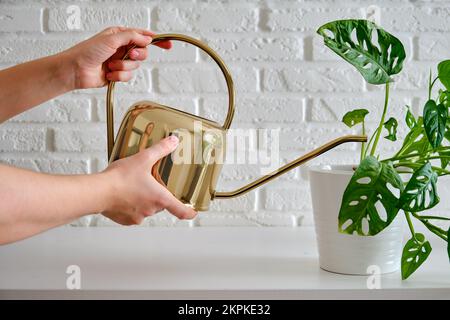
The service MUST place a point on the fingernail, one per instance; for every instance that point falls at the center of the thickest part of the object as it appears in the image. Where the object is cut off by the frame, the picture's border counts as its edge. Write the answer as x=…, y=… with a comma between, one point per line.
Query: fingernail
x=173, y=140
x=148, y=38
x=135, y=53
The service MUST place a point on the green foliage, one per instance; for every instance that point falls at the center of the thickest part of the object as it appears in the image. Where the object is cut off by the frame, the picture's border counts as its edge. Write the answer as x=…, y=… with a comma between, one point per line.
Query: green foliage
x=369, y=204
x=410, y=120
x=354, y=117
x=391, y=126
x=444, y=73
x=420, y=193
x=434, y=119
x=376, y=57
x=367, y=192
x=415, y=252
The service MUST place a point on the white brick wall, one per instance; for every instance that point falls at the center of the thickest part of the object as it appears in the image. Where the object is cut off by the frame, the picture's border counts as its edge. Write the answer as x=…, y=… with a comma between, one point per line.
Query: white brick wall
x=285, y=78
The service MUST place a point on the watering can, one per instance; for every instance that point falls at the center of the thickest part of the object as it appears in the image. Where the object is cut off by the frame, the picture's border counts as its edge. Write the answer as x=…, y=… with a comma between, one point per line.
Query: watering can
x=193, y=181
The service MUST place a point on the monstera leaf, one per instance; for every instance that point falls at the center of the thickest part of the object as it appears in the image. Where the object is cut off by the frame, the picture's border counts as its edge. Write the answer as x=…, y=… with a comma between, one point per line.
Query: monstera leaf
x=416, y=141
x=434, y=120
x=391, y=126
x=375, y=53
x=409, y=118
x=415, y=252
x=369, y=192
x=444, y=73
x=420, y=193
x=354, y=117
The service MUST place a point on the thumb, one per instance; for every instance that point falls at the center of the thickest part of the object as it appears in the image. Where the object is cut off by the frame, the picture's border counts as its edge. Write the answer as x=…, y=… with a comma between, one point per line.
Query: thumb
x=127, y=37
x=161, y=149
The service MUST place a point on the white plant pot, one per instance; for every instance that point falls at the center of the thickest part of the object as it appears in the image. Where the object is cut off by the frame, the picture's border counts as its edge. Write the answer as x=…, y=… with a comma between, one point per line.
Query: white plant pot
x=343, y=253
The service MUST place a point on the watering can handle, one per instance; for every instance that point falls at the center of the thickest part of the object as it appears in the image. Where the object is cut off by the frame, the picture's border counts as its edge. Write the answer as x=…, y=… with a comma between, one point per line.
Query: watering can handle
x=178, y=37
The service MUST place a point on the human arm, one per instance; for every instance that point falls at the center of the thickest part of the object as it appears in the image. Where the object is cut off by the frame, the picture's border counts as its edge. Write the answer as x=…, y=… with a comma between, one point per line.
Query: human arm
x=89, y=64
x=125, y=192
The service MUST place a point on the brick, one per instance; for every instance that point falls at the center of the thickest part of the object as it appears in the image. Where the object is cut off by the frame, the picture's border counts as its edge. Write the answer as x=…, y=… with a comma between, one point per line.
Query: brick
x=20, y=19
x=22, y=139
x=258, y=49
x=313, y=136
x=256, y=110
x=205, y=18
x=80, y=139
x=122, y=104
x=310, y=19
x=331, y=109
x=94, y=19
x=59, y=111
x=286, y=198
x=202, y=79
x=433, y=48
x=24, y=50
x=180, y=52
x=416, y=19
x=55, y=166
x=244, y=203
x=308, y=79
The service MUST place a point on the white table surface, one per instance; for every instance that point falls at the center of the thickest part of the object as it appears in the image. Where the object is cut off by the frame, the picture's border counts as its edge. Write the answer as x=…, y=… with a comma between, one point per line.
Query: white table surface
x=197, y=263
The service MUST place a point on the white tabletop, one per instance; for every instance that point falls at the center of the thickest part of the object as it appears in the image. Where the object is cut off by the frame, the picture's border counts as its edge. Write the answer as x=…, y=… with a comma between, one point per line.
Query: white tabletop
x=192, y=263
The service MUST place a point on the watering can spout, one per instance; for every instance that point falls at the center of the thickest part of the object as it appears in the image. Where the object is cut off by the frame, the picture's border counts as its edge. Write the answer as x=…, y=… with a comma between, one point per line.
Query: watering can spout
x=287, y=167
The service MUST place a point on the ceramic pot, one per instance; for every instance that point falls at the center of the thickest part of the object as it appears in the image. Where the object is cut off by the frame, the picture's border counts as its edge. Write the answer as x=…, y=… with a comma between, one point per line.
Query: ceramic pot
x=343, y=253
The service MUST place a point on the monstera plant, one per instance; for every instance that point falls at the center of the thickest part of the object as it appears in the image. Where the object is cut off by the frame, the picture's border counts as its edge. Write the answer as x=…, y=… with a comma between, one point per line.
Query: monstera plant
x=407, y=181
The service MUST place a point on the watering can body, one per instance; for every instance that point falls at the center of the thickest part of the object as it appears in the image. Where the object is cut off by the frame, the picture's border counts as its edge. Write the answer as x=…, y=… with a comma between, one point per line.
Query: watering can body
x=191, y=172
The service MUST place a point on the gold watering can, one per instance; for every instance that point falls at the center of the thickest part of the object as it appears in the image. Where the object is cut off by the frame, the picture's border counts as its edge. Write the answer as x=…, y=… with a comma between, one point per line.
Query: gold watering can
x=203, y=141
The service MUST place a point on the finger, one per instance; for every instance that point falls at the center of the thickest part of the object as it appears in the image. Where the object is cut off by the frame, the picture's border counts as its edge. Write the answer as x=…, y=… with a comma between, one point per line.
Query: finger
x=161, y=149
x=177, y=208
x=163, y=44
x=123, y=65
x=114, y=30
x=138, y=54
x=119, y=76
x=128, y=37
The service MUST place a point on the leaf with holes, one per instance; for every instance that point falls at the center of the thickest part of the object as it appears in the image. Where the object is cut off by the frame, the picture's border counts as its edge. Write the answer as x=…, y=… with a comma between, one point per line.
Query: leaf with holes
x=375, y=53
x=444, y=73
x=409, y=118
x=354, y=117
x=369, y=204
x=415, y=252
x=391, y=126
x=420, y=193
x=434, y=119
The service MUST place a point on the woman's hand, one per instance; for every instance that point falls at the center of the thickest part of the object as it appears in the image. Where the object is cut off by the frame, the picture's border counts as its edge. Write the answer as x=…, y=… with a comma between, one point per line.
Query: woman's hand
x=135, y=194
x=99, y=59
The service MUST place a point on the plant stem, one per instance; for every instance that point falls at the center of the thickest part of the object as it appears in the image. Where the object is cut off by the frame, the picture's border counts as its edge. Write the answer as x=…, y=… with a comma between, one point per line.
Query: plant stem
x=361, y=157
x=431, y=217
x=410, y=225
x=430, y=86
x=434, y=229
x=413, y=155
x=380, y=126
x=409, y=164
